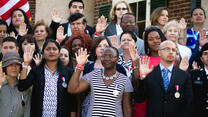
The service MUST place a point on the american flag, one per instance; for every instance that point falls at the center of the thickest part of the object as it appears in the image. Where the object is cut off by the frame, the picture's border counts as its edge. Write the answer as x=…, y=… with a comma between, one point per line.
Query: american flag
x=6, y=7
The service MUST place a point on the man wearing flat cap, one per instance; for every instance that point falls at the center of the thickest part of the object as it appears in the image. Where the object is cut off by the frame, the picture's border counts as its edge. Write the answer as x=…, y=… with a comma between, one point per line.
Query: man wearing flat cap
x=200, y=85
x=13, y=103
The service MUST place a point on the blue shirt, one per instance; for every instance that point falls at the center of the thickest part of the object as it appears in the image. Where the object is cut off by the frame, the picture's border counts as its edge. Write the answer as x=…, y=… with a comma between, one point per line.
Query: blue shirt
x=69, y=33
x=170, y=68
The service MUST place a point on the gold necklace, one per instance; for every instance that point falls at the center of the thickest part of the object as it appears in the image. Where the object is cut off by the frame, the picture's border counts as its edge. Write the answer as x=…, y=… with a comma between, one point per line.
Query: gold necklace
x=52, y=71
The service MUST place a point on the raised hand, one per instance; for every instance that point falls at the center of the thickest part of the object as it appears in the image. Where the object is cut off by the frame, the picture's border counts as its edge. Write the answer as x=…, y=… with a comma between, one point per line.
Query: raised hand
x=182, y=23
x=115, y=42
x=37, y=59
x=144, y=68
x=101, y=24
x=184, y=64
x=81, y=56
x=203, y=38
x=60, y=34
x=195, y=66
x=55, y=16
x=12, y=34
x=133, y=52
x=28, y=55
x=23, y=29
x=2, y=76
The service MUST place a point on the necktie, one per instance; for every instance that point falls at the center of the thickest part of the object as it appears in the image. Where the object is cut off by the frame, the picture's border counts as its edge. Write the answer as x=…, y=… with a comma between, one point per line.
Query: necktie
x=165, y=78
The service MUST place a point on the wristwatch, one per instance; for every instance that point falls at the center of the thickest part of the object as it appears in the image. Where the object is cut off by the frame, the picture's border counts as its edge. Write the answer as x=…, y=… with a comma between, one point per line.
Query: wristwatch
x=25, y=66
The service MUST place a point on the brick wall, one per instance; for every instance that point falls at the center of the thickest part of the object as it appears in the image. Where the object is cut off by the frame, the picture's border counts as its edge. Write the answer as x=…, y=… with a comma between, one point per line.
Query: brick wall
x=98, y=3
x=32, y=10
x=180, y=8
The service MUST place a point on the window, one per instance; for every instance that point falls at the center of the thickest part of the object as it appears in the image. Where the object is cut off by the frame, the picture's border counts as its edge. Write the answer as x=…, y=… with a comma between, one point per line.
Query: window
x=139, y=10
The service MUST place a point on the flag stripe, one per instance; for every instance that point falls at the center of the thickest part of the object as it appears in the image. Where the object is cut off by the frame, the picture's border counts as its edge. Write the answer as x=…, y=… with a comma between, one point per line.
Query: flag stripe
x=3, y=2
x=18, y=5
x=8, y=6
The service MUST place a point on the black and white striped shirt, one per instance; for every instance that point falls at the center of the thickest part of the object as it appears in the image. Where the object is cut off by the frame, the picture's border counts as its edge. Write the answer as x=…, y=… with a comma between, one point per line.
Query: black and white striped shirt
x=103, y=101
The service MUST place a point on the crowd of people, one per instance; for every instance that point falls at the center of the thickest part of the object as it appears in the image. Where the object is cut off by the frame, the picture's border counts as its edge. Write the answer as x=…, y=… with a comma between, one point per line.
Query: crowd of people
x=75, y=70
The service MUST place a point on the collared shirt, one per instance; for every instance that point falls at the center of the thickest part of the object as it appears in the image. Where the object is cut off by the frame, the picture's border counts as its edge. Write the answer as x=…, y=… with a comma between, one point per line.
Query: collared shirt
x=206, y=70
x=170, y=68
x=14, y=103
x=69, y=33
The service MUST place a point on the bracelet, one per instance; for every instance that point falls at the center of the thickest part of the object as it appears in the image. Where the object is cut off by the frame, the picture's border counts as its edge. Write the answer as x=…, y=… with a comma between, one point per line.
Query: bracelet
x=58, y=41
x=26, y=66
x=81, y=69
x=98, y=34
x=142, y=76
x=134, y=67
x=80, y=66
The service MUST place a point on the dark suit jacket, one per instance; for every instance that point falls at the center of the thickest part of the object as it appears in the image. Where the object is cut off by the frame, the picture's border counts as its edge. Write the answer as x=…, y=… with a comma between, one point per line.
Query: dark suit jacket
x=111, y=30
x=165, y=104
x=66, y=103
x=200, y=91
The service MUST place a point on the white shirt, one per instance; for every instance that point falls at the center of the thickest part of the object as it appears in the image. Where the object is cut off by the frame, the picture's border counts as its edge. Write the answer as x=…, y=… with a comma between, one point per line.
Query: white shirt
x=184, y=51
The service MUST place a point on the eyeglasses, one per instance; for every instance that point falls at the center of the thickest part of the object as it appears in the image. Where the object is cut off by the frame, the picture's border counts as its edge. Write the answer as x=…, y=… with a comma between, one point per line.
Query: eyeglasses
x=108, y=57
x=75, y=6
x=119, y=9
x=167, y=49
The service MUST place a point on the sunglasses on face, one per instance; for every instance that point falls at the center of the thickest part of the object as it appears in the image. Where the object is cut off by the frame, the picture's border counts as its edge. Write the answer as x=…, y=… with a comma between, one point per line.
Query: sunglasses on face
x=119, y=9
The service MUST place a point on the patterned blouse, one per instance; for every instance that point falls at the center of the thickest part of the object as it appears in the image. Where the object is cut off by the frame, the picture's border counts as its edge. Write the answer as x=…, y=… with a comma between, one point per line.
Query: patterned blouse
x=50, y=94
x=127, y=66
x=193, y=39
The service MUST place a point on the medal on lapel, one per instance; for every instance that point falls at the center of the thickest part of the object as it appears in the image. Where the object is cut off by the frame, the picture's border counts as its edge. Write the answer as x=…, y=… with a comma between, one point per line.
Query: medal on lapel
x=64, y=83
x=22, y=100
x=177, y=94
x=115, y=91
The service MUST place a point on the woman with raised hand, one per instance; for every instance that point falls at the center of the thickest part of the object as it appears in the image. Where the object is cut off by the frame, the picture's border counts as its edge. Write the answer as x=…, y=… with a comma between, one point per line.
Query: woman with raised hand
x=172, y=32
x=20, y=24
x=198, y=17
x=113, y=27
x=128, y=40
x=74, y=43
x=13, y=103
x=153, y=36
x=49, y=80
x=98, y=46
x=110, y=90
x=29, y=40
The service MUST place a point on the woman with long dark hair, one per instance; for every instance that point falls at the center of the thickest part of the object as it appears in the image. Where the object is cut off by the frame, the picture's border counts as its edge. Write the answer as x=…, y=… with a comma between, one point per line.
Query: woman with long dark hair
x=20, y=24
x=49, y=80
x=29, y=40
